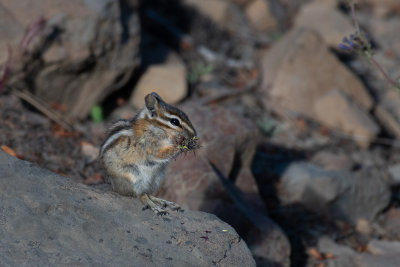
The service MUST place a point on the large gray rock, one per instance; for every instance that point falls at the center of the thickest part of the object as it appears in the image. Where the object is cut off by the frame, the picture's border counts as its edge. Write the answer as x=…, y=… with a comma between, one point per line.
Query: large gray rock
x=49, y=220
x=342, y=195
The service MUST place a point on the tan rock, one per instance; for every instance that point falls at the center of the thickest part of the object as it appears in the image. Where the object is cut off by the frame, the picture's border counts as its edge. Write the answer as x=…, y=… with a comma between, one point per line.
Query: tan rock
x=216, y=10
x=364, y=227
x=299, y=69
x=327, y=20
x=168, y=80
x=337, y=111
x=259, y=15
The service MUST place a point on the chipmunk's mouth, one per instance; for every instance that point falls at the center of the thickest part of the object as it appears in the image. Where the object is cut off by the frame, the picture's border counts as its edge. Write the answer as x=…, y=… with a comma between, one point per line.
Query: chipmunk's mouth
x=187, y=144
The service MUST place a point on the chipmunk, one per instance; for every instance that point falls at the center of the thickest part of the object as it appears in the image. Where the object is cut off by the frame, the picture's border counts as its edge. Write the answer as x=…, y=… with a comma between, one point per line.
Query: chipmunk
x=136, y=152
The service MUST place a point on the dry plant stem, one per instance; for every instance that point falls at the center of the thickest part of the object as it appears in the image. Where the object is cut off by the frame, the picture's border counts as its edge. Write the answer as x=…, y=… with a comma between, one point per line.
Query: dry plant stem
x=384, y=73
x=42, y=107
x=370, y=57
x=354, y=15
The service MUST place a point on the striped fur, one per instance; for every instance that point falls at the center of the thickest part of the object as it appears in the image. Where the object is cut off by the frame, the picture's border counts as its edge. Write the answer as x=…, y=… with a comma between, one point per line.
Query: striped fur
x=136, y=152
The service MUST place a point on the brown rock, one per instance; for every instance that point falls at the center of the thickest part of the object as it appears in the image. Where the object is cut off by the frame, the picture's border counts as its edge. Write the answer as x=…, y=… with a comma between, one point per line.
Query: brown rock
x=299, y=69
x=228, y=140
x=259, y=15
x=192, y=180
x=326, y=19
x=168, y=80
x=337, y=111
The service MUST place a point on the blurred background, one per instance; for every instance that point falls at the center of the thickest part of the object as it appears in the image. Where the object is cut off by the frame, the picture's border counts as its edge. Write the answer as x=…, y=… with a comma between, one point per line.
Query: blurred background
x=303, y=133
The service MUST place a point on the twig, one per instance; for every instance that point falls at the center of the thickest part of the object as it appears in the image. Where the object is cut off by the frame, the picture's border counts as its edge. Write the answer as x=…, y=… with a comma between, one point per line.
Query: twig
x=359, y=43
x=354, y=15
x=373, y=60
x=42, y=107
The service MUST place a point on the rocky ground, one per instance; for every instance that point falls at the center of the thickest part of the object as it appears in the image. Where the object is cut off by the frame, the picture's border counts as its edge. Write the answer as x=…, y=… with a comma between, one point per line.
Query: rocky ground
x=303, y=137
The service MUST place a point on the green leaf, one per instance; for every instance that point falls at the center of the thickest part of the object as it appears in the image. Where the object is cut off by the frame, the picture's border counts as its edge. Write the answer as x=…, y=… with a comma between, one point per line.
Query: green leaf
x=97, y=113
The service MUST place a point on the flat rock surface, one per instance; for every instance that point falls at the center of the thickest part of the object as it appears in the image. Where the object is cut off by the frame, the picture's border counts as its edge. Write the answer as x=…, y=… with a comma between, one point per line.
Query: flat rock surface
x=47, y=220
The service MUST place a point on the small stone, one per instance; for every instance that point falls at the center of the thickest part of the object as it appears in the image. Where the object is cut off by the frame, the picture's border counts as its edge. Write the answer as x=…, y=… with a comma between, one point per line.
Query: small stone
x=337, y=111
x=259, y=15
x=90, y=151
x=363, y=227
x=168, y=80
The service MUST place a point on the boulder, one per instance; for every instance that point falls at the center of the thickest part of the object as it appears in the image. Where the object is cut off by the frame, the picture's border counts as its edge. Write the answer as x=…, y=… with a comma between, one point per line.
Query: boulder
x=311, y=185
x=47, y=220
x=87, y=50
x=338, y=194
x=299, y=69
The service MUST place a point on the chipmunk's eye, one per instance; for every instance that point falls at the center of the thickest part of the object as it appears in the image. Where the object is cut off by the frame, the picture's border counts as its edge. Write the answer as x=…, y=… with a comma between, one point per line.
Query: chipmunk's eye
x=175, y=122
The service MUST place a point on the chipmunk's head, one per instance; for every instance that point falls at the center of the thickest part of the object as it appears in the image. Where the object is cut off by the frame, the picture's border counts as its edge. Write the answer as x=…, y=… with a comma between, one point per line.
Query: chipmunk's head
x=173, y=121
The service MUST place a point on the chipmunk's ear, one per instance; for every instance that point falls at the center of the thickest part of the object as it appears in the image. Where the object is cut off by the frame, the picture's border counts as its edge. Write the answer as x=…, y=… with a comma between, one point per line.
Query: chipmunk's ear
x=152, y=102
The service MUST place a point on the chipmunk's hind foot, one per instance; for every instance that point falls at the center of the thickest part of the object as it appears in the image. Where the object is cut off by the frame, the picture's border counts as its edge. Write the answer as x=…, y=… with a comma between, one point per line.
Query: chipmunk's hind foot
x=164, y=203
x=149, y=204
